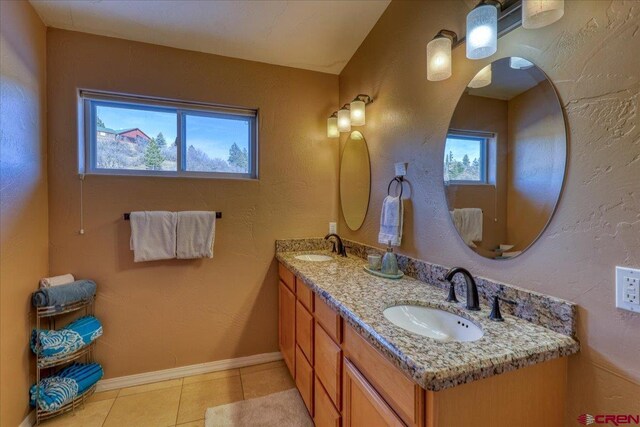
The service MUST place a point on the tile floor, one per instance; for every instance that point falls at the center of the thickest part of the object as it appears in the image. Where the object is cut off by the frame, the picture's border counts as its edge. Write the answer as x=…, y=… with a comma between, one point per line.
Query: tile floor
x=179, y=402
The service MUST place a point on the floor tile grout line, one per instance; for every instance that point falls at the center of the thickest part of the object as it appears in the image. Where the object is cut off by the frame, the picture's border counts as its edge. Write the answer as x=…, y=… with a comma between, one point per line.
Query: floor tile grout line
x=110, y=408
x=180, y=399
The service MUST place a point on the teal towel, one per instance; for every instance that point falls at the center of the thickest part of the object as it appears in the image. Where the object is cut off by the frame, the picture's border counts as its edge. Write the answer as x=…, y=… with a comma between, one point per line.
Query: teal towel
x=80, y=290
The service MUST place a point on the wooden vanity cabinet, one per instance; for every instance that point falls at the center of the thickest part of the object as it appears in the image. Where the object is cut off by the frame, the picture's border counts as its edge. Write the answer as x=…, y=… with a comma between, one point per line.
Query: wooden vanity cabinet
x=286, y=326
x=345, y=381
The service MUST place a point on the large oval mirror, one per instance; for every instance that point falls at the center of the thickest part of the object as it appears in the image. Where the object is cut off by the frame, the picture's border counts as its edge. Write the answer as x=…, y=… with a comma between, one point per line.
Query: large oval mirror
x=504, y=158
x=355, y=180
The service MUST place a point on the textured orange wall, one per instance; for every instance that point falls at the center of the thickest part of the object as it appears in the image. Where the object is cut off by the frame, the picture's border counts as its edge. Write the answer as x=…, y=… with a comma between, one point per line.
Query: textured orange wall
x=591, y=56
x=160, y=315
x=23, y=197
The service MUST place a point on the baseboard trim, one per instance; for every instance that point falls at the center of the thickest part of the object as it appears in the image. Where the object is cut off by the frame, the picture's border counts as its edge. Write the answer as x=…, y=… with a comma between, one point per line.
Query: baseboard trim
x=29, y=421
x=185, y=371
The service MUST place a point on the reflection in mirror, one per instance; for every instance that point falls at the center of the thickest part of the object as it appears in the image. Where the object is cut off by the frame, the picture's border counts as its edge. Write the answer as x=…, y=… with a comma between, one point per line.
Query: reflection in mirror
x=504, y=158
x=355, y=180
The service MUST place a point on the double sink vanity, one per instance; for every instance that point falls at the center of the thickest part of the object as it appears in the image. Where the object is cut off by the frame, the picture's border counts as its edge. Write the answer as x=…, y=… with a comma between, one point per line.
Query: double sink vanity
x=369, y=351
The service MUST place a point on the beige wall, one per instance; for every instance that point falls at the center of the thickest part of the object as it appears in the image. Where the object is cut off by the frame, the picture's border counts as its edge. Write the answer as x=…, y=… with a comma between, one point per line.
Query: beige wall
x=536, y=162
x=23, y=197
x=590, y=55
x=477, y=113
x=160, y=315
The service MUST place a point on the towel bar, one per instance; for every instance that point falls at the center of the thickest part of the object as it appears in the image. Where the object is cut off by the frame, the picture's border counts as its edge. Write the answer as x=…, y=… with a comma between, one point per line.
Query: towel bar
x=127, y=215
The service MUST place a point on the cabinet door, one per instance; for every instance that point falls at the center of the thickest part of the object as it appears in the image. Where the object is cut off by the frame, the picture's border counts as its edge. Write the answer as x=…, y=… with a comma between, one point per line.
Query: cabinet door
x=304, y=380
x=287, y=326
x=304, y=331
x=325, y=414
x=363, y=406
x=327, y=364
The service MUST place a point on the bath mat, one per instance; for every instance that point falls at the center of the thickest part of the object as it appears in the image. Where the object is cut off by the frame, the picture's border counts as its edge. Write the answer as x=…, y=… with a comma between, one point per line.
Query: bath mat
x=283, y=409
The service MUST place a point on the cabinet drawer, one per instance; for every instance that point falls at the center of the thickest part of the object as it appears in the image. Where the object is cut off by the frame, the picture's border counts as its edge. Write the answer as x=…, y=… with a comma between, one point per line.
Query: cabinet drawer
x=327, y=364
x=304, y=294
x=287, y=277
x=329, y=319
x=304, y=331
x=325, y=414
x=363, y=406
x=402, y=394
x=304, y=380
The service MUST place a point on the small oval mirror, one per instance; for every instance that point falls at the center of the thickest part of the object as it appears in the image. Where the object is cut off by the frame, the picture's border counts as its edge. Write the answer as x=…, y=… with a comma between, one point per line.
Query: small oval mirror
x=355, y=180
x=504, y=158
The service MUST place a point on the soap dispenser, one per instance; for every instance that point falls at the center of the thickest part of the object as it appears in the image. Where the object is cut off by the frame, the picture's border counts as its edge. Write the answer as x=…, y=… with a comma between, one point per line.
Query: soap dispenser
x=389, y=262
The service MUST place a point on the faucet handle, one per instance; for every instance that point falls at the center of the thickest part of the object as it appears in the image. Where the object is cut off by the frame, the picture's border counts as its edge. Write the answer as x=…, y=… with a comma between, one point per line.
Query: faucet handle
x=495, y=314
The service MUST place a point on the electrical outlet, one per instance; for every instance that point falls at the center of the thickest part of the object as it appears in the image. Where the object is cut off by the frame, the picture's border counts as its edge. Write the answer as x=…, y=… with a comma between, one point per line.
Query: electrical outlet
x=333, y=228
x=628, y=289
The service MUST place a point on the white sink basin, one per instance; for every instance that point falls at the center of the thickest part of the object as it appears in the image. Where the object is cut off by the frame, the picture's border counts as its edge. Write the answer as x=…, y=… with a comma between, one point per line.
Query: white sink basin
x=313, y=257
x=433, y=323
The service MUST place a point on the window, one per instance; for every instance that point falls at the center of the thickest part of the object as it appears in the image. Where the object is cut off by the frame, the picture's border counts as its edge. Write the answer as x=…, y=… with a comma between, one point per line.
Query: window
x=143, y=136
x=465, y=158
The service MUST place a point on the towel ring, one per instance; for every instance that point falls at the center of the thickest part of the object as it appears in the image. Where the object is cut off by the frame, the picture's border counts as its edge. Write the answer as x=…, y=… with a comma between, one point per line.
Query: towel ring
x=397, y=180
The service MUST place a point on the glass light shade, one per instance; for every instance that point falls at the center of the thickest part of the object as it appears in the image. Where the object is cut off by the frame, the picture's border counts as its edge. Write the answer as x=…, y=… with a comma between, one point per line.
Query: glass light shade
x=518, y=63
x=482, y=32
x=540, y=13
x=344, y=120
x=482, y=79
x=357, y=115
x=439, y=59
x=332, y=128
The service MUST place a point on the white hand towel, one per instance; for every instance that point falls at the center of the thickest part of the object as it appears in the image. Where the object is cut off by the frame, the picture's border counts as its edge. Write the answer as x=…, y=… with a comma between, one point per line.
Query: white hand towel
x=468, y=221
x=391, y=221
x=196, y=233
x=47, y=282
x=153, y=235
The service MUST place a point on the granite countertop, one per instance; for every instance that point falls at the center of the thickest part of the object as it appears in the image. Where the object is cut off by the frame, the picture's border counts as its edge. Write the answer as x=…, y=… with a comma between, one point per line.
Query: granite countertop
x=361, y=298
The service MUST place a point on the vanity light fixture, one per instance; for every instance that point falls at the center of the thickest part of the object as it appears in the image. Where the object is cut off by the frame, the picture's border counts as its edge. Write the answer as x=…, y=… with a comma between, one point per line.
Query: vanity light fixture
x=332, y=126
x=352, y=114
x=482, y=79
x=518, y=63
x=482, y=30
x=357, y=109
x=540, y=13
x=439, y=55
x=344, y=119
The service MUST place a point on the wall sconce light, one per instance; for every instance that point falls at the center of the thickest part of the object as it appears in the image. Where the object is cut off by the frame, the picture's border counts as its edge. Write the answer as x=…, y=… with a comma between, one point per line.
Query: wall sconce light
x=357, y=108
x=482, y=30
x=518, y=63
x=352, y=114
x=540, y=13
x=332, y=126
x=439, y=55
x=344, y=119
x=482, y=79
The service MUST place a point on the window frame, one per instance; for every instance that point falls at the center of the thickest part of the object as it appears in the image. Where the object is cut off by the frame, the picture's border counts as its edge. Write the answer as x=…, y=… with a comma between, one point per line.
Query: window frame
x=484, y=139
x=89, y=100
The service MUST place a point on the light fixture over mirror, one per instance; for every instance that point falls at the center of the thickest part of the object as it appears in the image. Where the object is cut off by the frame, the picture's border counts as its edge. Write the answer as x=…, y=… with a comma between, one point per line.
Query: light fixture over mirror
x=344, y=120
x=439, y=55
x=540, y=13
x=504, y=160
x=352, y=114
x=332, y=126
x=482, y=30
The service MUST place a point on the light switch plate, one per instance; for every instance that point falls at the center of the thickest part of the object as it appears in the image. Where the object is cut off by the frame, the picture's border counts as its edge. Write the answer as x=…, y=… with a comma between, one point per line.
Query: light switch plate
x=628, y=289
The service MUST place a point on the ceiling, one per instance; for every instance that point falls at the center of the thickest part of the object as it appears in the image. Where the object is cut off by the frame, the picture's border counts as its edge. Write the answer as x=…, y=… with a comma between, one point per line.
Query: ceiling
x=319, y=35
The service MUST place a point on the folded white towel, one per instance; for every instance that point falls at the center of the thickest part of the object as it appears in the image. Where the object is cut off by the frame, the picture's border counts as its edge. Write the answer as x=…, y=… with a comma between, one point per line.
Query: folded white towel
x=391, y=221
x=468, y=221
x=196, y=233
x=47, y=282
x=153, y=235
